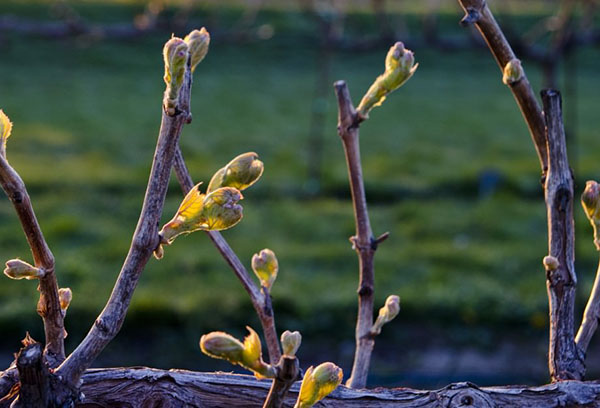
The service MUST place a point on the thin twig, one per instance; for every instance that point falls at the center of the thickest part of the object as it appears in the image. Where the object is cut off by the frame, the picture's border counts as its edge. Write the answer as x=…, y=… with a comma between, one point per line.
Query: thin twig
x=288, y=371
x=565, y=362
x=363, y=242
x=144, y=242
x=260, y=301
x=478, y=13
x=591, y=315
x=49, y=305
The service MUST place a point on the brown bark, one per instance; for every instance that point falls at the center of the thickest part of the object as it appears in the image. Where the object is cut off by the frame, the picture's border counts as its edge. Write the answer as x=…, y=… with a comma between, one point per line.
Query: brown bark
x=144, y=242
x=565, y=361
x=363, y=242
x=145, y=387
x=478, y=13
x=48, y=305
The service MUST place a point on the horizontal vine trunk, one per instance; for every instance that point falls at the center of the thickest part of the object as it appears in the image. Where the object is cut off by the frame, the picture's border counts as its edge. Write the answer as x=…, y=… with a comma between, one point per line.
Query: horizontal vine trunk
x=147, y=387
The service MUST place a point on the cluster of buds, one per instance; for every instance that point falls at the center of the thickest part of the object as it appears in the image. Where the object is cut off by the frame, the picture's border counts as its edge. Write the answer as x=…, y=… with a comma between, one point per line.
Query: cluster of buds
x=318, y=383
x=387, y=313
x=5, y=130
x=18, y=269
x=215, y=211
x=218, y=208
x=265, y=266
x=590, y=200
x=247, y=354
x=177, y=54
x=240, y=173
x=399, y=67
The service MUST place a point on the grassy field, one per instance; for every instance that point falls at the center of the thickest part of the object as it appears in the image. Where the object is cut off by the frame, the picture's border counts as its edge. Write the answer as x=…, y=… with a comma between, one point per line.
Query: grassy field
x=86, y=117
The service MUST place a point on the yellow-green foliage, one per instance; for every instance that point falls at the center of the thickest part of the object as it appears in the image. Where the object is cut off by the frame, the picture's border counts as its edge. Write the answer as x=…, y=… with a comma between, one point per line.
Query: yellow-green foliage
x=399, y=67
x=247, y=354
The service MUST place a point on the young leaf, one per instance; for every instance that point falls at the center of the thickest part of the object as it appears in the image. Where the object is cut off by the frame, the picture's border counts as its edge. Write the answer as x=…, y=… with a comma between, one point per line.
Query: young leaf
x=215, y=211
x=5, y=130
x=318, y=383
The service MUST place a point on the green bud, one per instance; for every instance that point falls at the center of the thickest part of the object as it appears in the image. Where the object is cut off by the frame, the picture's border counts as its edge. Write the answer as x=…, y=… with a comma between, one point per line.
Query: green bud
x=248, y=354
x=290, y=342
x=17, y=269
x=209, y=212
x=399, y=67
x=241, y=173
x=222, y=345
x=175, y=54
x=590, y=200
x=550, y=263
x=197, y=41
x=318, y=383
x=5, y=130
x=513, y=72
x=65, y=295
x=387, y=313
x=265, y=266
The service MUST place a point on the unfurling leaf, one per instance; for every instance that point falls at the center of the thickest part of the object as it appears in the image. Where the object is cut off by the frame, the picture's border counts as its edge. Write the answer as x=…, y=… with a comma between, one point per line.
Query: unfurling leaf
x=17, y=269
x=387, y=313
x=265, y=266
x=399, y=67
x=65, y=295
x=175, y=54
x=248, y=354
x=221, y=210
x=210, y=212
x=290, y=342
x=240, y=173
x=590, y=200
x=5, y=130
x=198, y=42
x=318, y=383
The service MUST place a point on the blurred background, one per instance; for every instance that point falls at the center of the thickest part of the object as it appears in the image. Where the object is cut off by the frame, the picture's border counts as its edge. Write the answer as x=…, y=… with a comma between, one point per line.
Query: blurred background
x=449, y=167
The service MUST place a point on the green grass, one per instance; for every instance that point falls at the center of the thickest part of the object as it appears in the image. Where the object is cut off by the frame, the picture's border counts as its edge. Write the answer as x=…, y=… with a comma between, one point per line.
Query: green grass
x=86, y=117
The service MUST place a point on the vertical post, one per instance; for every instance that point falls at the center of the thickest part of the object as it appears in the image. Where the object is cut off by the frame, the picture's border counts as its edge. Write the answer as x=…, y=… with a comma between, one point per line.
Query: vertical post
x=565, y=362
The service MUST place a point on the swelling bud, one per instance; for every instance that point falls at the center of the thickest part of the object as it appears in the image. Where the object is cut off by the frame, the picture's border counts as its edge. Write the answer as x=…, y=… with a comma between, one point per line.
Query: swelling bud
x=512, y=72
x=247, y=354
x=65, y=295
x=399, y=67
x=17, y=269
x=240, y=173
x=198, y=42
x=266, y=267
x=290, y=342
x=590, y=200
x=175, y=54
x=318, y=383
x=387, y=313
